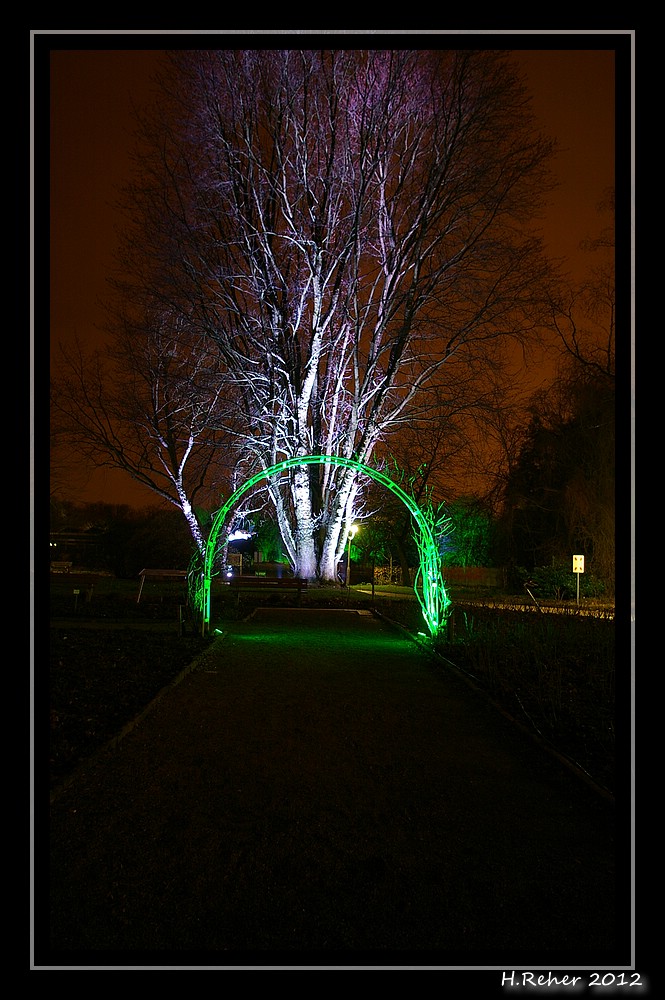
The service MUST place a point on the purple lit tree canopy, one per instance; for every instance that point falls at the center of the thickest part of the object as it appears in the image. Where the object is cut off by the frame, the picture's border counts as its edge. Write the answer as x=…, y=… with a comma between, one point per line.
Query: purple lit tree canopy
x=348, y=234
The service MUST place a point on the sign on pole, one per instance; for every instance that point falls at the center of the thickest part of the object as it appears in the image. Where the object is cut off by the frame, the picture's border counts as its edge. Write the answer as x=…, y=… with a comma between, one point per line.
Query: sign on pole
x=578, y=567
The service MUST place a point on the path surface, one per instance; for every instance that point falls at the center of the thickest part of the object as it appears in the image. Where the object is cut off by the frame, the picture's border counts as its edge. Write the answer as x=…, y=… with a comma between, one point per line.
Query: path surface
x=320, y=792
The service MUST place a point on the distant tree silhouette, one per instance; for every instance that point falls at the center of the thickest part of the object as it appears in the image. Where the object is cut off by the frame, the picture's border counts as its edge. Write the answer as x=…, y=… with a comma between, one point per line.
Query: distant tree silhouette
x=560, y=497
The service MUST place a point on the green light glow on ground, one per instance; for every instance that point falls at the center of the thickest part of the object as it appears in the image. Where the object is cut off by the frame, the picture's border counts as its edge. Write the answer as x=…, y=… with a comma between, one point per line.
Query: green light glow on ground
x=316, y=638
x=429, y=586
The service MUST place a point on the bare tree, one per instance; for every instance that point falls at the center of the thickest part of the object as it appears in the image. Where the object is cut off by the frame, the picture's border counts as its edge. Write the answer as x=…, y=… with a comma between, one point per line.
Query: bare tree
x=149, y=405
x=342, y=226
x=584, y=318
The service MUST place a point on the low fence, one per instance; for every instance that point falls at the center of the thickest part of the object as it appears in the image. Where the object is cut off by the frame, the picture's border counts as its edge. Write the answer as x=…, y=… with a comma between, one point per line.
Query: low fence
x=474, y=576
x=458, y=576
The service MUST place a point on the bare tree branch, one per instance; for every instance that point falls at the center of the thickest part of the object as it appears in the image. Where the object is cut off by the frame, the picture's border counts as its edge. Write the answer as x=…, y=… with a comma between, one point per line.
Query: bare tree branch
x=328, y=233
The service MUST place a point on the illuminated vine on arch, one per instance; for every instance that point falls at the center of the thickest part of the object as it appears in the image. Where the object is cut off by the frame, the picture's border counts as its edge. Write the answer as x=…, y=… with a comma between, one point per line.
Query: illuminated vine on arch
x=434, y=600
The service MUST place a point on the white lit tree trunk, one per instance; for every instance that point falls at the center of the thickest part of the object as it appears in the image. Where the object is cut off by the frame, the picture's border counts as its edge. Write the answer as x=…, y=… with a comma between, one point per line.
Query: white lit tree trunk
x=305, y=559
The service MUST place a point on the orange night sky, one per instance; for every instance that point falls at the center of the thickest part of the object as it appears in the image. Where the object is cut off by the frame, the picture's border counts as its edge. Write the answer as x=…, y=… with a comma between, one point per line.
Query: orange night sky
x=92, y=91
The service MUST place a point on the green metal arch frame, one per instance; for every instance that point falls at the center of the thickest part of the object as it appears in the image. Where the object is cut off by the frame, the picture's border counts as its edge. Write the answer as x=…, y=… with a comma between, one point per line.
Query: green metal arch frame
x=434, y=600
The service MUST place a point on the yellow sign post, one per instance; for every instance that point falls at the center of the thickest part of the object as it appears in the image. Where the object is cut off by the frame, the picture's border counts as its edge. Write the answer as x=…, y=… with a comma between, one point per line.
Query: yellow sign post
x=578, y=567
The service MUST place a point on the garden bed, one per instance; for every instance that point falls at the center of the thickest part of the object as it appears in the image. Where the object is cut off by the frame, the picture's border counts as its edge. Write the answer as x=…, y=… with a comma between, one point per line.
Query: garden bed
x=553, y=673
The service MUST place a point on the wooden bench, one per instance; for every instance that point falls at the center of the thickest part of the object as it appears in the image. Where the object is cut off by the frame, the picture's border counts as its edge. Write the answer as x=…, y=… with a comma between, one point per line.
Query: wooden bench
x=264, y=583
x=60, y=567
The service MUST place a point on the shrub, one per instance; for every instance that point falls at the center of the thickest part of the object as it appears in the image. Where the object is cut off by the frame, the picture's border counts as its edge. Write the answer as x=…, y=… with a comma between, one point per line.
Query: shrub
x=559, y=582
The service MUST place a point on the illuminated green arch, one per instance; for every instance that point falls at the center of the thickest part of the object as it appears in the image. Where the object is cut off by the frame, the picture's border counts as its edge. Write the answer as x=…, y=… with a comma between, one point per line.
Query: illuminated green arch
x=434, y=600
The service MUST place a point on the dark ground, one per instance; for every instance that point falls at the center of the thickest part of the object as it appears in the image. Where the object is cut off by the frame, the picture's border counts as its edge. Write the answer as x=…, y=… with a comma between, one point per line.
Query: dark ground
x=318, y=792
